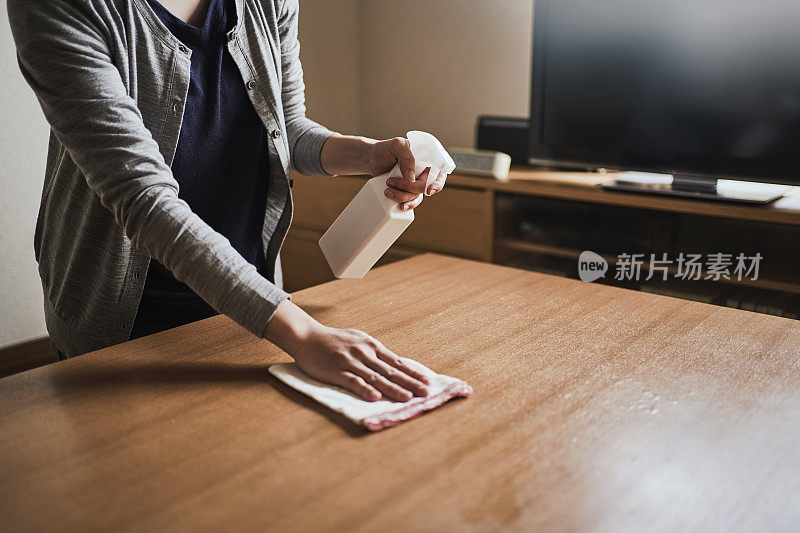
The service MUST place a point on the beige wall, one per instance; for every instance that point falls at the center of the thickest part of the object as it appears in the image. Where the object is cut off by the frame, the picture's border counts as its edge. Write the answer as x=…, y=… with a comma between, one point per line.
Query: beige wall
x=23, y=143
x=330, y=52
x=382, y=67
x=436, y=65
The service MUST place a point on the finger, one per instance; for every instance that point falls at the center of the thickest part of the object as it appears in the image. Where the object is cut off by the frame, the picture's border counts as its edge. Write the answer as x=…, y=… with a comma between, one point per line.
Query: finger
x=400, y=196
x=356, y=385
x=405, y=159
x=433, y=175
x=396, y=376
x=390, y=390
x=438, y=184
x=391, y=358
x=401, y=184
x=405, y=206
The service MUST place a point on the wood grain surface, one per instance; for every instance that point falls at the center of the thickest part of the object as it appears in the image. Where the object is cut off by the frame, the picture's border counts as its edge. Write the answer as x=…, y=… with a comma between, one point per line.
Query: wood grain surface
x=595, y=408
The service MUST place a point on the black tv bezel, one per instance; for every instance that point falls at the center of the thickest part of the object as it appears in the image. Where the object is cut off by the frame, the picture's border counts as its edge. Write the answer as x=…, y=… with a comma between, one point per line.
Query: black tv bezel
x=761, y=170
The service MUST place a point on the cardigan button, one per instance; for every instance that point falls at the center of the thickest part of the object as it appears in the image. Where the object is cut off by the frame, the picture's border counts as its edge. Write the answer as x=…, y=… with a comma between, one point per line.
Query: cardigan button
x=276, y=133
x=175, y=109
x=251, y=84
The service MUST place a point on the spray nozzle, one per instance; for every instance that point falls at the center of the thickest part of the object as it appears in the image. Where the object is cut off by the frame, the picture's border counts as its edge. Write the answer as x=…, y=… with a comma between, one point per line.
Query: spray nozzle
x=429, y=152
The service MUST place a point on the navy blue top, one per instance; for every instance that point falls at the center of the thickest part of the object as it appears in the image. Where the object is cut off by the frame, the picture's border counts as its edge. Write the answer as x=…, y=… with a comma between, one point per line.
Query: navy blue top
x=221, y=164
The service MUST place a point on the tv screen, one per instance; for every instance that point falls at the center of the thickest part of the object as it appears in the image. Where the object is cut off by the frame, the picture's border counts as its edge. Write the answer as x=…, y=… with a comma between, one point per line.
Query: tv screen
x=702, y=87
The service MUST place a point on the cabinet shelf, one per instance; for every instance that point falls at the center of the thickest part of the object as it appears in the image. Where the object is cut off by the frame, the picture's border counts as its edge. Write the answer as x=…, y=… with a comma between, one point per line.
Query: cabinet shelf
x=542, y=220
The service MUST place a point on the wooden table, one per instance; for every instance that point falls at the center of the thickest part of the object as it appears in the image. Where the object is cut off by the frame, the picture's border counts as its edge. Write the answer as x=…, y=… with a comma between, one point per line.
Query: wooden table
x=595, y=408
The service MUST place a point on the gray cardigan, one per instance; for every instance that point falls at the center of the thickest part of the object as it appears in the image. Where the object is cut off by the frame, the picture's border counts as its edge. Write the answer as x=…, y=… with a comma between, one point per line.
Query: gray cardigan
x=112, y=82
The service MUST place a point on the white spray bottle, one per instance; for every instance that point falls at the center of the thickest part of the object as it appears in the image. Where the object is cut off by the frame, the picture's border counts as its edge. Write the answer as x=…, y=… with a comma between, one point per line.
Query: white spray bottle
x=371, y=222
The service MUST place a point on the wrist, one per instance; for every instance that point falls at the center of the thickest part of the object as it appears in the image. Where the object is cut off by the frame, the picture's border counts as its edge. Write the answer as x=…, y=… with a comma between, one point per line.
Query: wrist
x=364, y=147
x=290, y=327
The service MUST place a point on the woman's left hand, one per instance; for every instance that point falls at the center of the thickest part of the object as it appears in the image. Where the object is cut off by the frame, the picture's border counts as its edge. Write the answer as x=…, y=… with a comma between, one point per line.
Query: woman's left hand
x=408, y=190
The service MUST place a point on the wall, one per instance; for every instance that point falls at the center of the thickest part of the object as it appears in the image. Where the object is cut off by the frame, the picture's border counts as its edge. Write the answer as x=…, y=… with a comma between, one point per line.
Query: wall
x=330, y=52
x=436, y=65
x=23, y=144
x=382, y=67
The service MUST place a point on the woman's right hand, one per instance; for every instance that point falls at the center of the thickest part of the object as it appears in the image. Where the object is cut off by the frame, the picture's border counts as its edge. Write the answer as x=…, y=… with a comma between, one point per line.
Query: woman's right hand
x=348, y=358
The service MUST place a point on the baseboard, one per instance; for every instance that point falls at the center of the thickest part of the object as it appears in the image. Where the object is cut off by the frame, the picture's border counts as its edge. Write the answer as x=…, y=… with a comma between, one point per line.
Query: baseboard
x=25, y=356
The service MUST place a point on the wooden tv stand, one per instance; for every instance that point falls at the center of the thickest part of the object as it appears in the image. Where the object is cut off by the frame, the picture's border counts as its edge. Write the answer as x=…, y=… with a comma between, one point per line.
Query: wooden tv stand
x=542, y=219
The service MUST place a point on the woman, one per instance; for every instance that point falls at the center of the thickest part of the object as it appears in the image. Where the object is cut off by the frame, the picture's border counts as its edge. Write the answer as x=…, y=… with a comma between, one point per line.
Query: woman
x=166, y=196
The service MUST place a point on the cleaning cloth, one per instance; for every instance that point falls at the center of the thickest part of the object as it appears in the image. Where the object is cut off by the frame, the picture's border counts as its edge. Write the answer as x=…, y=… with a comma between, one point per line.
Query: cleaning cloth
x=376, y=415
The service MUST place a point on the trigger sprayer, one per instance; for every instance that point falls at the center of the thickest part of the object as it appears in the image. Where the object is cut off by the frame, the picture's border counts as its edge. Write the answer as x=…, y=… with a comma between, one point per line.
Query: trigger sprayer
x=371, y=222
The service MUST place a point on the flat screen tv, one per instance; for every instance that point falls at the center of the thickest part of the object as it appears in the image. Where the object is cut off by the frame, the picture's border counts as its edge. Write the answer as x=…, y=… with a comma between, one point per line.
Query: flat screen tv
x=699, y=89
